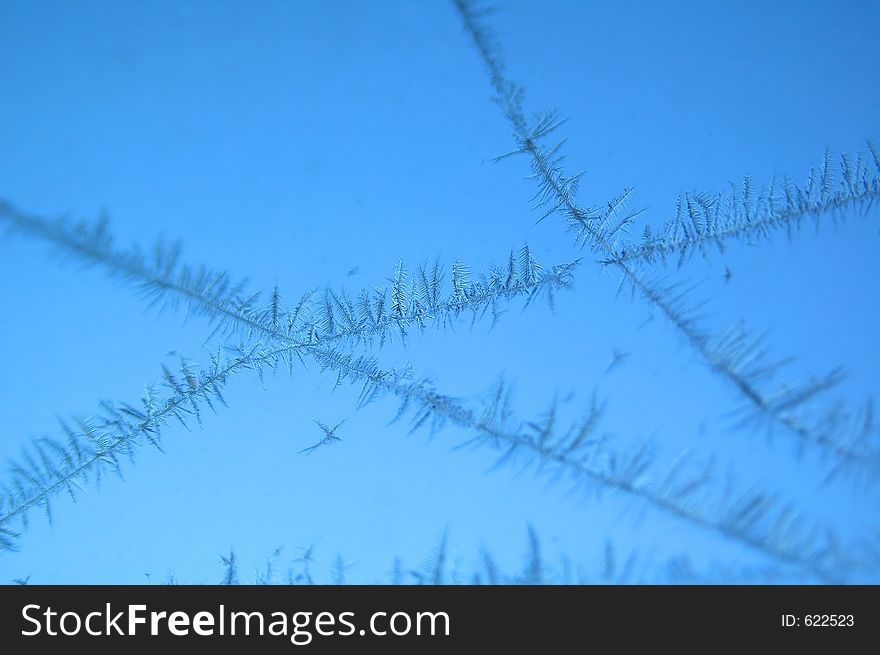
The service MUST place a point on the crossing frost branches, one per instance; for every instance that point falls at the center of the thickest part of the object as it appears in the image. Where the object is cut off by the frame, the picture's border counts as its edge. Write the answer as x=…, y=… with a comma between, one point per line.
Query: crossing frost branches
x=849, y=438
x=53, y=466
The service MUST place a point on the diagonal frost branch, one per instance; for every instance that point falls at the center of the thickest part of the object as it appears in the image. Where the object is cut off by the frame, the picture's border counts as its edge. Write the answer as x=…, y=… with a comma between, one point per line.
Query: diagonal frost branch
x=752, y=519
x=97, y=445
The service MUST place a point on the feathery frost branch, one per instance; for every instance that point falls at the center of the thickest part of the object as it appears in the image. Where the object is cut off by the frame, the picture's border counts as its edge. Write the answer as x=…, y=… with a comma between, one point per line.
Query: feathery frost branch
x=704, y=220
x=414, y=300
x=94, y=446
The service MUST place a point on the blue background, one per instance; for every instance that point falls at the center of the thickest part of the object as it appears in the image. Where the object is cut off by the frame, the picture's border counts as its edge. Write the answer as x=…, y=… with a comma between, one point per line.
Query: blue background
x=292, y=142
